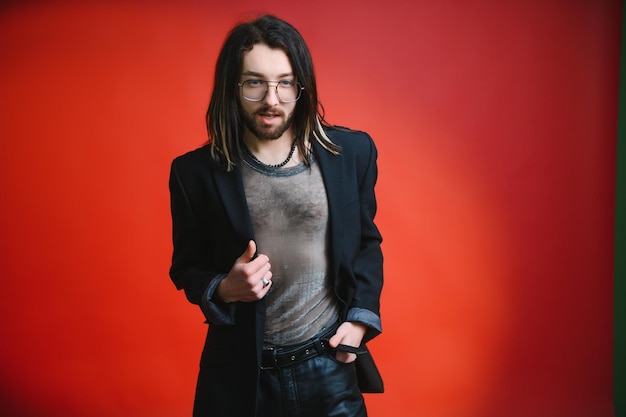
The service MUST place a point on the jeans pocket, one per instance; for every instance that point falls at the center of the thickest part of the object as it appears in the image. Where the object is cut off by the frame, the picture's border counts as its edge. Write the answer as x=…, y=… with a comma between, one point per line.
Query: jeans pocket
x=333, y=357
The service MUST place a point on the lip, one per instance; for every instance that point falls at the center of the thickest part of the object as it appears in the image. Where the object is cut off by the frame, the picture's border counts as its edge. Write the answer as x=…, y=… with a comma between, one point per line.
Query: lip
x=268, y=117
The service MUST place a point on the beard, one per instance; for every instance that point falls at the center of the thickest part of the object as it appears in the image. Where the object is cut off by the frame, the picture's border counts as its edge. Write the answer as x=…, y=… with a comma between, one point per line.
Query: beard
x=265, y=133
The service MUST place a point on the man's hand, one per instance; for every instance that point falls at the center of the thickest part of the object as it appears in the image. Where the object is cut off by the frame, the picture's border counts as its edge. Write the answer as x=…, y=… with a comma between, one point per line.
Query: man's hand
x=249, y=279
x=349, y=333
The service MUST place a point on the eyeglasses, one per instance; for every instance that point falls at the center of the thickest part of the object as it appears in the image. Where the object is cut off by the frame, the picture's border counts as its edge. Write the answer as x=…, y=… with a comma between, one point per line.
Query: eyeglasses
x=255, y=90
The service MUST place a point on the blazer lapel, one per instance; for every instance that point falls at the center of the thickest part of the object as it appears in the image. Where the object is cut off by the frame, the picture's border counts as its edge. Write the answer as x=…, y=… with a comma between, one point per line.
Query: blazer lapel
x=332, y=173
x=230, y=187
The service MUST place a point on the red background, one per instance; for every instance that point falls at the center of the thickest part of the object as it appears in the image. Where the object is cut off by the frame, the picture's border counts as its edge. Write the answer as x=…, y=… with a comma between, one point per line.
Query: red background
x=495, y=122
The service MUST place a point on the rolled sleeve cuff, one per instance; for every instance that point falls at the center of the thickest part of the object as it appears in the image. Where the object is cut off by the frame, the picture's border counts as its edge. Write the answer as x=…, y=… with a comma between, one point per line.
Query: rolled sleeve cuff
x=216, y=311
x=368, y=318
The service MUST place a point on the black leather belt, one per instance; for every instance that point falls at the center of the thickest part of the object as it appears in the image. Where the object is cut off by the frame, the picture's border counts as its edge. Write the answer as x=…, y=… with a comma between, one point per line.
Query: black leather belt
x=280, y=357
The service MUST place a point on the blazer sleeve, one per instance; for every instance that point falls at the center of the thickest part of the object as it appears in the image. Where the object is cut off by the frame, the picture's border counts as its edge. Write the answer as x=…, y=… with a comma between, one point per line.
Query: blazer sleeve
x=192, y=269
x=368, y=266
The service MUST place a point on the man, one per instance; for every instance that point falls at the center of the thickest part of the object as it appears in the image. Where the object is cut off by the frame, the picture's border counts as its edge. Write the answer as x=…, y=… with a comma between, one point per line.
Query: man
x=274, y=237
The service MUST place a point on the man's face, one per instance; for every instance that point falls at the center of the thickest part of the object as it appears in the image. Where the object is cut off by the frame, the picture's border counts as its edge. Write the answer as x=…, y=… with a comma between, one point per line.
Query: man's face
x=269, y=118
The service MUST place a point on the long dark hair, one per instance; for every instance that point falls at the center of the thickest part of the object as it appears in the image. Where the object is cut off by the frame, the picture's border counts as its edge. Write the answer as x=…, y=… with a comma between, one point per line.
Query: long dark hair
x=223, y=118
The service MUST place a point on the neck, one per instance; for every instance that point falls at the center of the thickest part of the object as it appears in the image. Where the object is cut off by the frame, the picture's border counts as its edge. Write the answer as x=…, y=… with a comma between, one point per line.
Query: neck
x=273, y=151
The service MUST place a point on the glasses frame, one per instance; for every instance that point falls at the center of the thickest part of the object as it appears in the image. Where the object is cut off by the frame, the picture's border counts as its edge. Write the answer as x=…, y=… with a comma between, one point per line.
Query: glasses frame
x=267, y=87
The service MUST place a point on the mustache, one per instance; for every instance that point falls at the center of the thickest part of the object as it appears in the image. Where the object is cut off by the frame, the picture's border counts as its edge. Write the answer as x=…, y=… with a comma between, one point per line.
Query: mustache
x=268, y=110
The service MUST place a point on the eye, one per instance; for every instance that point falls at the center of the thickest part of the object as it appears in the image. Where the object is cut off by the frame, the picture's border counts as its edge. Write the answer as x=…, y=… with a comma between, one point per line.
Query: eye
x=286, y=84
x=254, y=83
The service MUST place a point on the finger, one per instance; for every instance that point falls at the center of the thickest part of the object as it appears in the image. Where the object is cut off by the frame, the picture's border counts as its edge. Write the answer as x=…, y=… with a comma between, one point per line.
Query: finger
x=266, y=280
x=249, y=253
x=335, y=340
x=345, y=357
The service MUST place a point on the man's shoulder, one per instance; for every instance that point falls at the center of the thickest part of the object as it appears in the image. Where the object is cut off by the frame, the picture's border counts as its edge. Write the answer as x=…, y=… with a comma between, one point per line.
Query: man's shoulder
x=202, y=152
x=200, y=157
x=350, y=139
x=345, y=133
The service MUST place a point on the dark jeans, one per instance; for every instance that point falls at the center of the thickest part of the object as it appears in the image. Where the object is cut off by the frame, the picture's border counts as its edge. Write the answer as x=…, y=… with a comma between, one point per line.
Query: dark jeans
x=318, y=387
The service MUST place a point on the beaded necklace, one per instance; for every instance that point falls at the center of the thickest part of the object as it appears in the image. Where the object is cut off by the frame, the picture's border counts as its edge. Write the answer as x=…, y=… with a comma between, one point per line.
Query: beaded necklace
x=280, y=165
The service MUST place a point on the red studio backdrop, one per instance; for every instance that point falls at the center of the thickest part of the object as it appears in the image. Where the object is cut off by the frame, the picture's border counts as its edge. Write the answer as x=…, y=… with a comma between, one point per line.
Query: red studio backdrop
x=496, y=126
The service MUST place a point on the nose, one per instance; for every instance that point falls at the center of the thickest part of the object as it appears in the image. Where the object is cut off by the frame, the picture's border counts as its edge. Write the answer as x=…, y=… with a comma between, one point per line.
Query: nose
x=271, y=95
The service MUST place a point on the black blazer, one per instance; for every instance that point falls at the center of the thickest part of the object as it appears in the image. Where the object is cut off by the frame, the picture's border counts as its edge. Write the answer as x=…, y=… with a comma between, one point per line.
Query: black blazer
x=212, y=227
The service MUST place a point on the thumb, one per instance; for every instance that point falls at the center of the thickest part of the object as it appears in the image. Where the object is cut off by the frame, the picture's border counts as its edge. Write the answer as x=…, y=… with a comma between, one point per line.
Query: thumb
x=249, y=253
x=335, y=340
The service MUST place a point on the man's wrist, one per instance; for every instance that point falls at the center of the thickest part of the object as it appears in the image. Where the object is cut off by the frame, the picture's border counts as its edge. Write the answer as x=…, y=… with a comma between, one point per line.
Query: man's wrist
x=222, y=292
x=361, y=327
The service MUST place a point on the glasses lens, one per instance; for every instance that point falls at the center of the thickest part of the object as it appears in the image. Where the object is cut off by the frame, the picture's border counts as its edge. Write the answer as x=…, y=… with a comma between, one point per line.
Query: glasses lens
x=288, y=91
x=255, y=90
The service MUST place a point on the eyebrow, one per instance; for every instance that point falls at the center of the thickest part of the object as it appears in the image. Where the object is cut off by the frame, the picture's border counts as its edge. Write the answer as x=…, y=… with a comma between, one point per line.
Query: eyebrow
x=258, y=74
